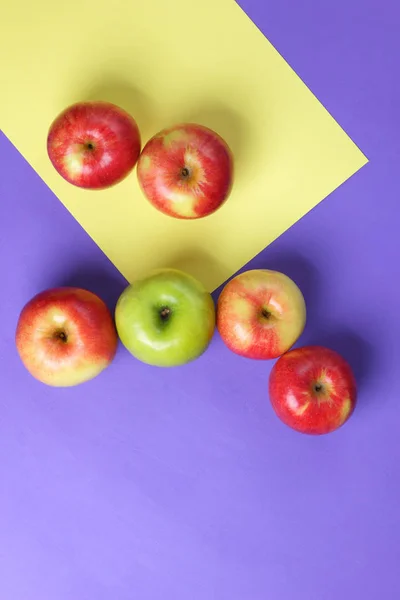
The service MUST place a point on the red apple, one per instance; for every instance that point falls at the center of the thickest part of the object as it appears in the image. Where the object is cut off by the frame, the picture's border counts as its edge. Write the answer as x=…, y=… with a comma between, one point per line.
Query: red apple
x=65, y=336
x=260, y=314
x=312, y=390
x=186, y=171
x=94, y=145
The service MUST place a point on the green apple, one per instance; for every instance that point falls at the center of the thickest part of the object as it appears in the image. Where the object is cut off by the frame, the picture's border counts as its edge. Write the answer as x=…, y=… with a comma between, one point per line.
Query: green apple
x=165, y=319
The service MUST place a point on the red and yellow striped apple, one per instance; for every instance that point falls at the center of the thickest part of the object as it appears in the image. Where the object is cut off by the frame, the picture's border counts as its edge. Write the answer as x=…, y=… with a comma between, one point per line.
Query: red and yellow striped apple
x=260, y=314
x=186, y=171
x=312, y=390
x=93, y=145
x=65, y=336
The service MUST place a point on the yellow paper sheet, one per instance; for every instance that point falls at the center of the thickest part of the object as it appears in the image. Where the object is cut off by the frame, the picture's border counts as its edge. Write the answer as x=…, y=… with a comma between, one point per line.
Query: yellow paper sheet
x=168, y=61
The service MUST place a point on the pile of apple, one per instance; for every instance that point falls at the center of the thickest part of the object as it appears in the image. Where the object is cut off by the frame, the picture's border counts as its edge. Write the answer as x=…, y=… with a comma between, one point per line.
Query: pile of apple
x=66, y=336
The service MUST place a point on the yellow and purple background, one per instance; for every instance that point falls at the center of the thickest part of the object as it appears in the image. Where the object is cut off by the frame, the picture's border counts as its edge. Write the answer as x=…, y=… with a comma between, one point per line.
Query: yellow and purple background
x=182, y=483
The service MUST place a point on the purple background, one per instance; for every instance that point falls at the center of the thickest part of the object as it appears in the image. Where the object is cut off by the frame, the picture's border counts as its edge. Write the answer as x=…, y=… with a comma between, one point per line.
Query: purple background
x=178, y=484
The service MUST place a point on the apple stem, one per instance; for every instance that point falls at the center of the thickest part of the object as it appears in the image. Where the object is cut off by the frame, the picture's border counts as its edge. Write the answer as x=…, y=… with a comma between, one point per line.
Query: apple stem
x=61, y=335
x=165, y=313
x=185, y=172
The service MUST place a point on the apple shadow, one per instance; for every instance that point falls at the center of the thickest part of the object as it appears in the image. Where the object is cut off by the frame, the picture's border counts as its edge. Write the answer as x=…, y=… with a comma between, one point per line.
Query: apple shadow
x=199, y=264
x=127, y=96
x=303, y=273
x=319, y=329
x=97, y=280
x=229, y=124
x=358, y=352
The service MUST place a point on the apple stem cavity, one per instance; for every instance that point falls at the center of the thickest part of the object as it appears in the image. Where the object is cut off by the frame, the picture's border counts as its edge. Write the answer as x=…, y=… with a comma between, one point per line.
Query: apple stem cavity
x=185, y=173
x=165, y=313
x=265, y=314
x=61, y=335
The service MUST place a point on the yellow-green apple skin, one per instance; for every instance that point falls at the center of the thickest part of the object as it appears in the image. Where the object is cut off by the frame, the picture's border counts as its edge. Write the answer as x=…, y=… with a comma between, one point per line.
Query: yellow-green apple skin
x=165, y=319
x=260, y=314
x=65, y=336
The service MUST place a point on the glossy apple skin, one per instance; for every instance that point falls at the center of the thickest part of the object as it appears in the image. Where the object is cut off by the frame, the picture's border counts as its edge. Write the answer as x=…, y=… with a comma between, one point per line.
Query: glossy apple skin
x=186, y=171
x=94, y=145
x=260, y=314
x=186, y=333
x=313, y=390
x=65, y=336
